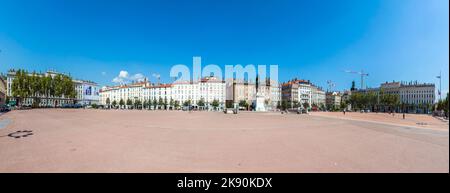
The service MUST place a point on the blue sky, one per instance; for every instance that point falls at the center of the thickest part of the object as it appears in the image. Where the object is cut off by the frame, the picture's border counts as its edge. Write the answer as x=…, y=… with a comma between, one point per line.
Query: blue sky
x=316, y=40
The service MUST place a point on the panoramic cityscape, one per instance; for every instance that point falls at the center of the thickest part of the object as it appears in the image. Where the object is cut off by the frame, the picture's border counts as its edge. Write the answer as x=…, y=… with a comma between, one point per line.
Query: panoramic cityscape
x=224, y=87
x=209, y=93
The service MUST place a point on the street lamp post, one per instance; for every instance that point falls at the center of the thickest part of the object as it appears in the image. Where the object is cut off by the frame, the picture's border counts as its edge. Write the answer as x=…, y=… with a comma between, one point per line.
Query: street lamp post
x=439, y=91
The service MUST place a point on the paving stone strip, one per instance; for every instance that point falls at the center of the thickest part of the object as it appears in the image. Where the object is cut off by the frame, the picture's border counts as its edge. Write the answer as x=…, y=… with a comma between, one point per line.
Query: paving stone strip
x=4, y=123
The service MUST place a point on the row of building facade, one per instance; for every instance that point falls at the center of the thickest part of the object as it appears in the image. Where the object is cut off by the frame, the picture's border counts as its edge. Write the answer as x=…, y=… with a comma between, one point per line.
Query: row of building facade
x=212, y=88
x=303, y=91
x=414, y=93
x=411, y=92
x=209, y=89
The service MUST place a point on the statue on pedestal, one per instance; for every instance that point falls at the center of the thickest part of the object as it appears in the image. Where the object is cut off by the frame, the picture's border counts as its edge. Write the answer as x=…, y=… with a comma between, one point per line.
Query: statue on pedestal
x=260, y=99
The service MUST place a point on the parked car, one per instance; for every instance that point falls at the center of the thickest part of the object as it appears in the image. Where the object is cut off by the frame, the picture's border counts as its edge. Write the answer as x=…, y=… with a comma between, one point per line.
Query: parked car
x=301, y=111
x=4, y=108
x=67, y=106
x=187, y=108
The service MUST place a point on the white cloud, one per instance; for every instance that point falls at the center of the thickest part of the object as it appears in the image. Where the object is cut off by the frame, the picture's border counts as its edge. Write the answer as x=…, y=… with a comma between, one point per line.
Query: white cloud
x=123, y=74
x=156, y=75
x=118, y=80
x=138, y=77
x=124, y=77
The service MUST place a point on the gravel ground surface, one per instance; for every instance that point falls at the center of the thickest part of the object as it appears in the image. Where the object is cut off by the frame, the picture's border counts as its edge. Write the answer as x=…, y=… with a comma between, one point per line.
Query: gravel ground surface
x=78, y=140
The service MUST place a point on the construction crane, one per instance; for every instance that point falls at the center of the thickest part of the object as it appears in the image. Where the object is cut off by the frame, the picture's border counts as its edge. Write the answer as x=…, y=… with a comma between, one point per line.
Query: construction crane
x=330, y=85
x=360, y=73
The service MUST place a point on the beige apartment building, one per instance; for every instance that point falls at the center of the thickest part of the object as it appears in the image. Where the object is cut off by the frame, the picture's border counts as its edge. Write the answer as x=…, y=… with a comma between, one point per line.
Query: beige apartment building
x=411, y=92
x=333, y=99
x=300, y=92
x=246, y=91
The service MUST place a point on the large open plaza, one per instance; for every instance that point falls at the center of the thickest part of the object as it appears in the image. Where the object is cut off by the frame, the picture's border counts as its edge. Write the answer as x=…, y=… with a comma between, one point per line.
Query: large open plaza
x=88, y=140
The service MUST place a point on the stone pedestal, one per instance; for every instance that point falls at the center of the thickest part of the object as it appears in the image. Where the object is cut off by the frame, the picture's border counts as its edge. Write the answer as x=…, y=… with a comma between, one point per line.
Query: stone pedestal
x=260, y=104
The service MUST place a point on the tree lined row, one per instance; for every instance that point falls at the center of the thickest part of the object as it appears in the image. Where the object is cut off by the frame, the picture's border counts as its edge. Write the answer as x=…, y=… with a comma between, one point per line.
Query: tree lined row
x=295, y=104
x=374, y=101
x=161, y=103
x=442, y=105
x=37, y=86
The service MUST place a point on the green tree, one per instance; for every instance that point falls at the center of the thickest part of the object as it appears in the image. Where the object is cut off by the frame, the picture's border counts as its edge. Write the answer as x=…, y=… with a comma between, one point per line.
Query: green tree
x=446, y=105
x=306, y=105
x=343, y=105
x=243, y=103
x=295, y=104
x=165, y=102
x=187, y=103
x=267, y=102
x=155, y=103
x=114, y=103
x=371, y=100
x=108, y=102
x=160, y=102
x=145, y=104
x=121, y=103
x=35, y=88
x=150, y=103
x=48, y=90
x=58, y=88
x=68, y=87
x=171, y=103
x=176, y=104
x=215, y=104
x=129, y=103
x=137, y=104
x=284, y=105
x=201, y=102
x=336, y=108
x=229, y=104
x=7, y=100
x=19, y=86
